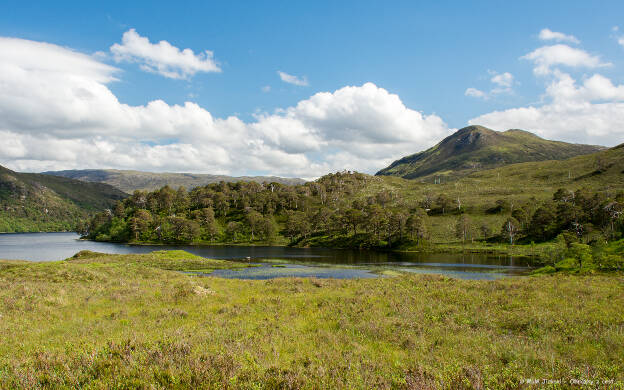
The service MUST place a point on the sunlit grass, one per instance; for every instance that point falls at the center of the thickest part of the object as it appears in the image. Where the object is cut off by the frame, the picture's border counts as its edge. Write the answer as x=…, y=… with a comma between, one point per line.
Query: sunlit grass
x=131, y=321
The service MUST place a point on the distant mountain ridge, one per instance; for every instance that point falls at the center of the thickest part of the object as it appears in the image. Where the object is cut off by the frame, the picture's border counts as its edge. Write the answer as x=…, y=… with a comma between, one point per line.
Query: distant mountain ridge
x=129, y=181
x=35, y=202
x=476, y=148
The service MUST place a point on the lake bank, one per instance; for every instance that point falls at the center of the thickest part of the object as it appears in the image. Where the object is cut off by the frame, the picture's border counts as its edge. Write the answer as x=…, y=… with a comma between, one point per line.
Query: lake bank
x=477, y=247
x=134, y=320
x=534, y=251
x=58, y=246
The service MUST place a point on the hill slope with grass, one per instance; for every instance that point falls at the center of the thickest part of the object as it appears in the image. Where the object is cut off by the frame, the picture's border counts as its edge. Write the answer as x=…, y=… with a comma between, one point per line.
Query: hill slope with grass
x=601, y=169
x=476, y=148
x=481, y=194
x=129, y=181
x=35, y=202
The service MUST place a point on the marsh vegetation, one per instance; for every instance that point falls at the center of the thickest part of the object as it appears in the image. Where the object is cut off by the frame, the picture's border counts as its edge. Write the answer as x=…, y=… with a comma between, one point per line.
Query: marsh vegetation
x=136, y=321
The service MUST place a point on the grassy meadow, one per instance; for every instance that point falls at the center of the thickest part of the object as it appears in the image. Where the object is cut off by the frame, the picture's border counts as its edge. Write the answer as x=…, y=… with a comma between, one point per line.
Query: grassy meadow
x=100, y=321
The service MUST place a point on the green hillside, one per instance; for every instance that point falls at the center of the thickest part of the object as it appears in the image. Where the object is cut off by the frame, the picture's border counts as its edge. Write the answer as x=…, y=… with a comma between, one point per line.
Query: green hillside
x=511, y=185
x=35, y=202
x=476, y=148
x=597, y=171
x=129, y=181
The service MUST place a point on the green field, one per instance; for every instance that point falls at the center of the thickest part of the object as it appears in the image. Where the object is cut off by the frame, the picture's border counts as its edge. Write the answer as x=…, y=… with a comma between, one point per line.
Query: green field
x=136, y=322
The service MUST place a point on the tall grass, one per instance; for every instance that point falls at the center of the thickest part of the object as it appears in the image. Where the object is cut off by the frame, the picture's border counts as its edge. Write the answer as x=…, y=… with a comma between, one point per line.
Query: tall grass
x=134, y=322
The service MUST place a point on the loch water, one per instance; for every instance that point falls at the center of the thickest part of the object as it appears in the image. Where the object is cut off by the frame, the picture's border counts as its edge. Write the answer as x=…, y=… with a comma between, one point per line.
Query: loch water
x=277, y=261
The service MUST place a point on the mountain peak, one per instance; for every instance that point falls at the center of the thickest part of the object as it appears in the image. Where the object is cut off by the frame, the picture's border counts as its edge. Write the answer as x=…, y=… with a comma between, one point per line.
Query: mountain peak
x=474, y=129
x=469, y=138
x=475, y=147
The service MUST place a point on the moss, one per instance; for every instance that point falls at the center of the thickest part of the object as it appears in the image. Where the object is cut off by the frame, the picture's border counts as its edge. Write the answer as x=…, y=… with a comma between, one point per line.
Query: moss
x=544, y=270
x=567, y=264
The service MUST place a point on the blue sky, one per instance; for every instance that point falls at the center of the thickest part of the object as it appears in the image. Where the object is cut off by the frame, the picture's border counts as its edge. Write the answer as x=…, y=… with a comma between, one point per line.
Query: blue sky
x=426, y=53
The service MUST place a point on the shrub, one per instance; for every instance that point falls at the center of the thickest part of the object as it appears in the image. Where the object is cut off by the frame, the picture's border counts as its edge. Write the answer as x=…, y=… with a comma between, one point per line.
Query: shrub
x=544, y=270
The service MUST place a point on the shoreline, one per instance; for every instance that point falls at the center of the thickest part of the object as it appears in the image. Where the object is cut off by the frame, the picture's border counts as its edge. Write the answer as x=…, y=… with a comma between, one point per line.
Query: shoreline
x=521, y=251
x=433, y=248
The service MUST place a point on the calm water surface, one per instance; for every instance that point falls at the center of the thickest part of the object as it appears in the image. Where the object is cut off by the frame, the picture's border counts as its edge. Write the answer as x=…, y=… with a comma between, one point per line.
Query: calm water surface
x=303, y=262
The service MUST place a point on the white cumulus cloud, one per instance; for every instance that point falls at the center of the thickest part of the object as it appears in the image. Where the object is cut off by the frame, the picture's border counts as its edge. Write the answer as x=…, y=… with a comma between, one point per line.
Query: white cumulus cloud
x=548, y=35
x=503, y=83
x=477, y=93
x=504, y=80
x=162, y=57
x=591, y=112
x=547, y=57
x=57, y=112
x=294, y=80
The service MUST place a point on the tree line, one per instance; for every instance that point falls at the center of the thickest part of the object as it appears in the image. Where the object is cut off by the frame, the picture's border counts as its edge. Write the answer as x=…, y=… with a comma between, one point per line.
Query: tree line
x=343, y=205
x=582, y=215
x=250, y=211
